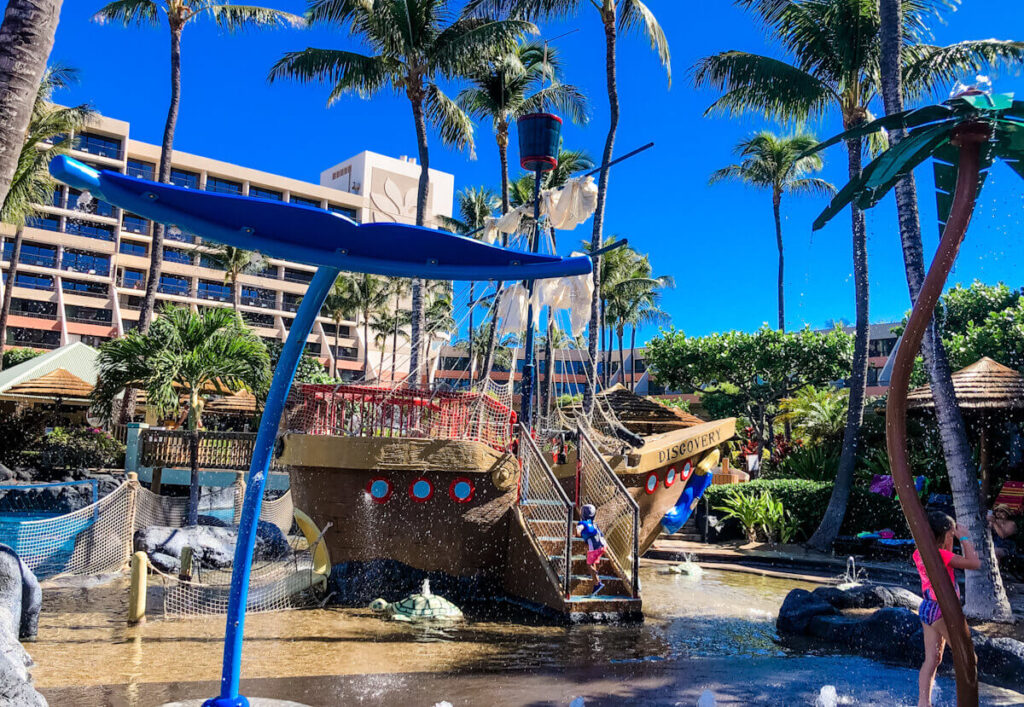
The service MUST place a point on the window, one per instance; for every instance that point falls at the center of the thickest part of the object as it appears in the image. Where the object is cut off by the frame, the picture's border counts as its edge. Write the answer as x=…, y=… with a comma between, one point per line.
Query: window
x=268, y=271
x=184, y=178
x=31, y=281
x=88, y=289
x=873, y=376
x=171, y=285
x=130, y=248
x=130, y=302
x=32, y=254
x=87, y=315
x=135, y=224
x=93, y=206
x=135, y=279
x=315, y=203
x=291, y=302
x=208, y=261
x=33, y=308
x=174, y=233
x=264, y=193
x=572, y=367
x=344, y=331
x=214, y=290
x=81, y=261
x=96, y=144
x=143, y=170
x=99, y=231
x=302, y=276
x=257, y=319
x=36, y=338
x=454, y=363
x=343, y=210
x=177, y=255
x=350, y=353
x=57, y=198
x=881, y=347
x=223, y=186
x=257, y=297
x=45, y=223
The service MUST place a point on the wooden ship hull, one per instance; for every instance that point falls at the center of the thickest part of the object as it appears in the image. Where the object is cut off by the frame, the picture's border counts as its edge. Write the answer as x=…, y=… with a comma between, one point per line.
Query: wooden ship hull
x=463, y=508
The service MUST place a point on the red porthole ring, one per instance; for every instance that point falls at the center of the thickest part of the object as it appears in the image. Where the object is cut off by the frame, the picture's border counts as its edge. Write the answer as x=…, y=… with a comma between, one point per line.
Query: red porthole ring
x=687, y=470
x=379, y=490
x=461, y=490
x=670, y=477
x=651, y=485
x=420, y=490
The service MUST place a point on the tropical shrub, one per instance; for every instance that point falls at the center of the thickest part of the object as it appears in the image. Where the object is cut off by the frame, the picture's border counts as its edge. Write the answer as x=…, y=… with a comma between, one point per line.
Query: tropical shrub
x=759, y=511
x=19, y=432
x=814, y=462
x=806, y=502
x=80, y=448
x=745, y=508
x=12, y=357
x=817, y=413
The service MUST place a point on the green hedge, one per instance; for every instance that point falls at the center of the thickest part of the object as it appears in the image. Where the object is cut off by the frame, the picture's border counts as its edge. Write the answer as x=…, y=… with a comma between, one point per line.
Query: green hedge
x=807, y=501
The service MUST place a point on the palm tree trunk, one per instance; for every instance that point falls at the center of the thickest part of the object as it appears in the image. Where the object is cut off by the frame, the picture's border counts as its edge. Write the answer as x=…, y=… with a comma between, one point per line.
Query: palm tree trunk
x=503, y=157
x=193, y=458
x=366, y=346
x=236, y=295
x=826, y=533
x=492, y=335
x=26, y=38
x=622, y=360
x=549, y=366
x=394, y=341
x=608, y=16
x=12, y=273
x=156, y=253
x=985, y=595
x=632, y=358
x=776, y=208
x=334, y=356
x=421, y=219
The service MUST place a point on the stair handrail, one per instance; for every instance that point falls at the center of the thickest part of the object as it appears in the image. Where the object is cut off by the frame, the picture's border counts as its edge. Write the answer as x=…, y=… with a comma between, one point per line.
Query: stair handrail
x=529, y=452
x=586, y=445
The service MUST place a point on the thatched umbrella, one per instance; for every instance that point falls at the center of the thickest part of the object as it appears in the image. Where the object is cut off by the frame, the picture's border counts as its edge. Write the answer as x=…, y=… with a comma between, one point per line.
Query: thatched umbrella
x=986, y=392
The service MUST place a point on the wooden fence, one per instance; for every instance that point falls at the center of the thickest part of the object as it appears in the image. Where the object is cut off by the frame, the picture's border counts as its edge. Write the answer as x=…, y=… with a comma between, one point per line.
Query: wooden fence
x=217, y=450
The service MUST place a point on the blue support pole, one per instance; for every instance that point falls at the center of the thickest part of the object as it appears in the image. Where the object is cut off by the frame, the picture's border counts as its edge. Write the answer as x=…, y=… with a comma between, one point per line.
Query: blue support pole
x=526, y=399
x=318, y=290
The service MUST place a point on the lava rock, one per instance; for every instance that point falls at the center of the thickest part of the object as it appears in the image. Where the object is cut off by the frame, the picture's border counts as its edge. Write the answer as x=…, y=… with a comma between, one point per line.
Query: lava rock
x=868, y=596
x=798, y=609
x=839, y=631
x=15, y=682
x=1001, y=658
x=893, y=633
x=211, y=546
x=212, y=522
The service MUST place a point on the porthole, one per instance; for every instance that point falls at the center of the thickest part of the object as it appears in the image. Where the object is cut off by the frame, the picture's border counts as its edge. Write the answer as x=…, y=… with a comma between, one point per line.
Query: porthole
x=670, y=477
x=421, y=490
x=379, y=490
x=651, y=484
x=461, y=490
x=687, y=470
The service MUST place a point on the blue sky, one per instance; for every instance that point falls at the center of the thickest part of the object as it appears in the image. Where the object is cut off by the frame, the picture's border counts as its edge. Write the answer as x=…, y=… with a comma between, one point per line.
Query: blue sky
x=718, y=242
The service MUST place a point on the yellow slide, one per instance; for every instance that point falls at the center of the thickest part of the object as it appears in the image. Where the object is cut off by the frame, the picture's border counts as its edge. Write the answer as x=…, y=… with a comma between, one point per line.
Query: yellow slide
x=321, y=558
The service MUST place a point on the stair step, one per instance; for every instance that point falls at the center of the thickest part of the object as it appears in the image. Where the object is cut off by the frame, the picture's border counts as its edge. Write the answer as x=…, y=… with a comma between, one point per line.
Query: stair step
x=558, y=539
x=604, y=577
x=542, y=502
x=599, y=597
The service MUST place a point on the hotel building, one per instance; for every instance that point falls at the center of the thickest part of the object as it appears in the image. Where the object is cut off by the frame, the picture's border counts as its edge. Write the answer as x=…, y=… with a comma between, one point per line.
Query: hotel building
x=83, y=268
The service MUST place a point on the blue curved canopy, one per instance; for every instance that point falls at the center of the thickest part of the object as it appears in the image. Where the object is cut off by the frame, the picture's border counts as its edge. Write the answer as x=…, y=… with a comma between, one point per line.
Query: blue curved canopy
x=314, y=236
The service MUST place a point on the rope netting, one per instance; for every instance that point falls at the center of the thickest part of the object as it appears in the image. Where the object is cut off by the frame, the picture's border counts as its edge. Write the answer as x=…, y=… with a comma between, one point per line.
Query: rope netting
x=98, y=538
x=288, y=583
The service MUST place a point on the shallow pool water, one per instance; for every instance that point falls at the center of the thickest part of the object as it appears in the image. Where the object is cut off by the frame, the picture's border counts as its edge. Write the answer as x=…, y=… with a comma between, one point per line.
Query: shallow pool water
x=716, y=632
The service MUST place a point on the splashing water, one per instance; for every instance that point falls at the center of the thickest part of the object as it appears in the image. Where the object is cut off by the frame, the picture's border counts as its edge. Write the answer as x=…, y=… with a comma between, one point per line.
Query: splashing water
x=852, y=577
x=85, y=201
x=426, y=588
x=828, y=697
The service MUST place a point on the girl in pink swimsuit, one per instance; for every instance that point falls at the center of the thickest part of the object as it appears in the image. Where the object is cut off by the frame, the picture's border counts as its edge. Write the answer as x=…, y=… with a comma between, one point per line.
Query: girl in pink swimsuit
x=935, y=632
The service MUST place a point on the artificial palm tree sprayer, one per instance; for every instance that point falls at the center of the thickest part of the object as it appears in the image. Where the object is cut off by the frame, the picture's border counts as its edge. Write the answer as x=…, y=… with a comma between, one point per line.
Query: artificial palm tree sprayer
x=964, y=135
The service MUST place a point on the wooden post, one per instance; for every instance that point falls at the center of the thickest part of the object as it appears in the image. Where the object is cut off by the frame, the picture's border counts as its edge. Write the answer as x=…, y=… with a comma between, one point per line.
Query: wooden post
x=157, y=481
x=137, y=589
x=185, y=571
x=239, y=496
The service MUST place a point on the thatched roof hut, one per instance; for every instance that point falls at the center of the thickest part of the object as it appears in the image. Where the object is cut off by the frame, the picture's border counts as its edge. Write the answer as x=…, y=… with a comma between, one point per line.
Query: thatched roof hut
x=984, y=385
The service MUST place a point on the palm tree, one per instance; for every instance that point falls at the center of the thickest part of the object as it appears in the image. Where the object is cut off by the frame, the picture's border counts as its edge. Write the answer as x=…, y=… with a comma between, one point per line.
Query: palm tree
x=616, y=16
x=26, y=37
x=632, y=295
x=31, y=183
x=474, y=206
x=952, y=431
x=818, y=78
x=413, y=43
x=777, y=163
x=367, y=294
x=235, y=262
x=819, y=413
x=385, y=324
x=965, y=135
x=398, y=288
x=339, y=307
x=512, y=86
x=178, y=14
x=183, y=353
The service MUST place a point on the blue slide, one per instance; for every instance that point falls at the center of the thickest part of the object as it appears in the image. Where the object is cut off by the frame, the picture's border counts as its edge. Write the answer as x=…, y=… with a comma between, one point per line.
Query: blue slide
x=676, y=518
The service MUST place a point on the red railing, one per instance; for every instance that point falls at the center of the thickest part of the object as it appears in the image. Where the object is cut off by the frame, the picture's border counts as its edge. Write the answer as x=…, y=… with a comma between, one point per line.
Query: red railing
x=367, y=411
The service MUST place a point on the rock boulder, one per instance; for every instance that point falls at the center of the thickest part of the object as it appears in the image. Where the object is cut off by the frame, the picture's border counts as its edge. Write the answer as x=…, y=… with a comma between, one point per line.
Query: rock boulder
x=799, y=608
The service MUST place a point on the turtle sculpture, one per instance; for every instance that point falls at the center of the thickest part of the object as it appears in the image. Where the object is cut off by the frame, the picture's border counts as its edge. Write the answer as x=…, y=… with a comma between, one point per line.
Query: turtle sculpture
x=419, y=607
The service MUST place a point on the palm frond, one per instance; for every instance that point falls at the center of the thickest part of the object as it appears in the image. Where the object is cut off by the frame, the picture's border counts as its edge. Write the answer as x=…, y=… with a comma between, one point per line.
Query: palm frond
x=468, y=42
x=344, y=70
x=636, y=17
x=564, y=98
x=129, y=12
x=450, y=121
x=928, y=68
x=752, y=82
x=238, y=17
x=812, y=185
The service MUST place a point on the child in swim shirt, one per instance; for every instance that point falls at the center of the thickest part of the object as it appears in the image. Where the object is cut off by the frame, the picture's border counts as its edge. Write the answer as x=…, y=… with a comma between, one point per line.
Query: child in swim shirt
x=935, y=633
x=589, y=531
